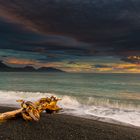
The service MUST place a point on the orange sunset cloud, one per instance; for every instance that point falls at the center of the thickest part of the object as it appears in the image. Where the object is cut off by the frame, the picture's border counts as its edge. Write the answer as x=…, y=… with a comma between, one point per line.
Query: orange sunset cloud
x=35, y=63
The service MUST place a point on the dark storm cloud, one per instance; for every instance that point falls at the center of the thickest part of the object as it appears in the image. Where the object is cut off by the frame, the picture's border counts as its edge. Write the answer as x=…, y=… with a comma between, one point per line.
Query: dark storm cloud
x=112, y=27
x=11, y=33
x=132, y=59
x=16, y=38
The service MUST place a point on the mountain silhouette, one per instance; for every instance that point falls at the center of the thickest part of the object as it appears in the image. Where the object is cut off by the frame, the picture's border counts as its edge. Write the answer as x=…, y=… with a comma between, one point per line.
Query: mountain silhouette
x=5, y=68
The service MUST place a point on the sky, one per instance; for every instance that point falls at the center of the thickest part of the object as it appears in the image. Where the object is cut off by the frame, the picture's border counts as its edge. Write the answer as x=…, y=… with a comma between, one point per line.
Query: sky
x=75, y=36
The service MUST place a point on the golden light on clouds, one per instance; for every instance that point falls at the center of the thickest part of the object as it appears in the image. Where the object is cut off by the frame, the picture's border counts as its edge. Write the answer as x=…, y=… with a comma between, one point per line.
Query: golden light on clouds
x=78, y=67
x=103, y=69
x=16, y=61
x=35, y=63
x=120, y=68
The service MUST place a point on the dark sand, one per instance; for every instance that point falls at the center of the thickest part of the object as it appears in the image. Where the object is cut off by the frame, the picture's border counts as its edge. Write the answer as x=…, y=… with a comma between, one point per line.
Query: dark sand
x=64, y=127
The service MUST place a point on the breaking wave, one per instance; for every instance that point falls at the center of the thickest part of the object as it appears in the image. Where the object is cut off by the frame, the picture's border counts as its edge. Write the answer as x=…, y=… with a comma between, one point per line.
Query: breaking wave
x=90, y=107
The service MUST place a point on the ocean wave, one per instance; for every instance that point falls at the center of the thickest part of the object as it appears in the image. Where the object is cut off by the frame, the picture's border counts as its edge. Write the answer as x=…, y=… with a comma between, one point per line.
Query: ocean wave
x=89, y=107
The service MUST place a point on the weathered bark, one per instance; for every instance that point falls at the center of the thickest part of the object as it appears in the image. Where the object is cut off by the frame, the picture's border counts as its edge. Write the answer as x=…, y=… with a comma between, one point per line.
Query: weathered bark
x=10, y=114
x=29, y=111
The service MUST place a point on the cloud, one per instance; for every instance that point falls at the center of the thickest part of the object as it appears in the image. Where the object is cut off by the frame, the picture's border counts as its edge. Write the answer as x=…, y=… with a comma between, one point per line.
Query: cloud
x=15, y=38
x=19, y=62
x=132, y=59
x=106, y=24
x=118, y=68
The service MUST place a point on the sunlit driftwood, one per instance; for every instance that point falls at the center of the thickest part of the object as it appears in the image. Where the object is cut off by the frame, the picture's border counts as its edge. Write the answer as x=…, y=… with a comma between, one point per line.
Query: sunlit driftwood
x=48, y=104
x=9, y=115
x=31, y=111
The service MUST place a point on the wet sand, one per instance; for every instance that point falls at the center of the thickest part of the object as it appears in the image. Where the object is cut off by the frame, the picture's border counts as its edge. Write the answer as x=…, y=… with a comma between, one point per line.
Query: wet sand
x=64, y=127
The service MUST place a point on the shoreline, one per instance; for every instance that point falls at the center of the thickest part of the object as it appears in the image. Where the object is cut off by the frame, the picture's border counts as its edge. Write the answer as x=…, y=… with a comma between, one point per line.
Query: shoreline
x=64, y=127
x=89, y=117
x=103, y=120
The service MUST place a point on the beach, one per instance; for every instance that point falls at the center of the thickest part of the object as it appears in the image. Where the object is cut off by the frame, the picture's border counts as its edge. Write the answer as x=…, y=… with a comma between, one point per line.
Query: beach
x=64, y=127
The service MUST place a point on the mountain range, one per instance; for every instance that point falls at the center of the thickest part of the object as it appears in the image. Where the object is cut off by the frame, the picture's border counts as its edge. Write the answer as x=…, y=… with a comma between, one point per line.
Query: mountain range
x=5, y=68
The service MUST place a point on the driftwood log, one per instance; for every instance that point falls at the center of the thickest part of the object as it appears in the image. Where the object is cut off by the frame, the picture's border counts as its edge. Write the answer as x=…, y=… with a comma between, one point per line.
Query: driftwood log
x=9, y=115
x=31, y=111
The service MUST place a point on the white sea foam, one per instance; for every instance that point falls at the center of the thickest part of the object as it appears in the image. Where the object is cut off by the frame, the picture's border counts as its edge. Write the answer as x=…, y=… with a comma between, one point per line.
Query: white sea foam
x=90, y=107
x=10, y=97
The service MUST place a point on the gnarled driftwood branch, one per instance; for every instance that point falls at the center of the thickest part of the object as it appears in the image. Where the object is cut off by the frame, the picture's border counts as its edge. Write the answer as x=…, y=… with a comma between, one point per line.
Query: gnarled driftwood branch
x=31, y=111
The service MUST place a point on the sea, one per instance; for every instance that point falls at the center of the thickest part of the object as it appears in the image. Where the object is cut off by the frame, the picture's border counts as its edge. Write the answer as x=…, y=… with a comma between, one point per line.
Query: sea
x=113, y=98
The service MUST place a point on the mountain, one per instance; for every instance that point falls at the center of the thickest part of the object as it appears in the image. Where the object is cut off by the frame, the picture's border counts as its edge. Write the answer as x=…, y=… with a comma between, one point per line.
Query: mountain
x=5, y=68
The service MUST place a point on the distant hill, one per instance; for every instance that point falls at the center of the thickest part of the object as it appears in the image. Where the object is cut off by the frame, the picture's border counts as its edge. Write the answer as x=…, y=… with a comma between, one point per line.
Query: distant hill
x=5, y=68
